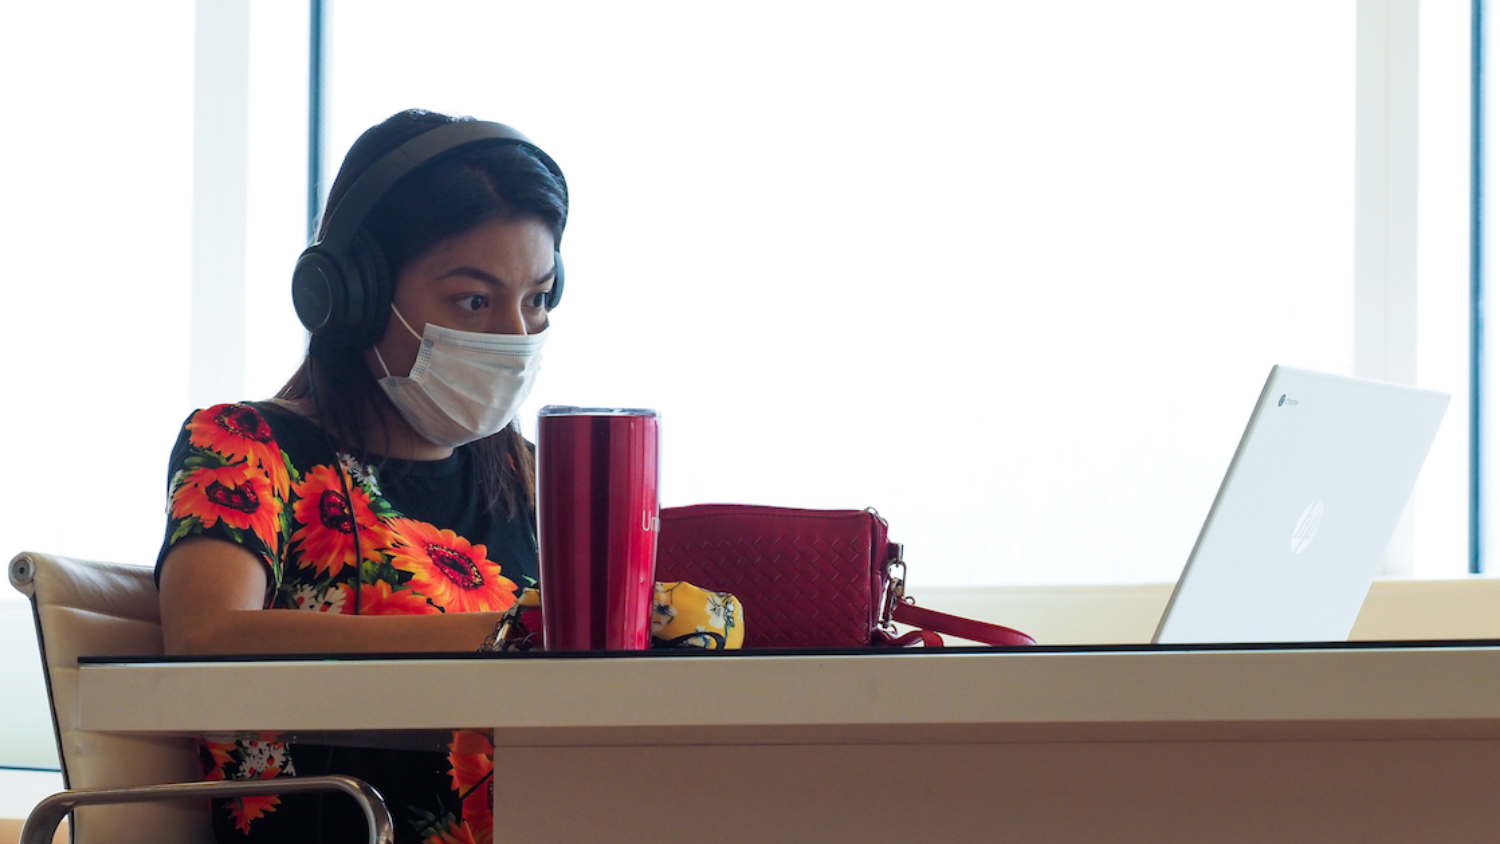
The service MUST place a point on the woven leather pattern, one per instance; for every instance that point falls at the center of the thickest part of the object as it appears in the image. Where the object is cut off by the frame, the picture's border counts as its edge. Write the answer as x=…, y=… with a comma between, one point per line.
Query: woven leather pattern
x=806, y=578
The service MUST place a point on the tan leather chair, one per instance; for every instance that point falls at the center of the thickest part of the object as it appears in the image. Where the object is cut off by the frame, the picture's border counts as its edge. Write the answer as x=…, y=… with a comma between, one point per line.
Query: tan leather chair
x=115, y=782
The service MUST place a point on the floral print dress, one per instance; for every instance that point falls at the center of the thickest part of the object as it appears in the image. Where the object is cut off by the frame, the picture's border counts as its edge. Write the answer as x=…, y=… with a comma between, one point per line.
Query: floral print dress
x=269, y=480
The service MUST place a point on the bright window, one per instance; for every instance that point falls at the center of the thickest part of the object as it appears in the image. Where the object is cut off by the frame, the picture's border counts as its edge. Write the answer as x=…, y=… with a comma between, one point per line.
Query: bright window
x=1011, y=273
x=96, y=234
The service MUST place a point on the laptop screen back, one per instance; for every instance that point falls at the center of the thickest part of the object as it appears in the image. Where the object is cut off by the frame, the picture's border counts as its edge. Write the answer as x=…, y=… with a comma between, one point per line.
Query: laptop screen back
x=1302, y=520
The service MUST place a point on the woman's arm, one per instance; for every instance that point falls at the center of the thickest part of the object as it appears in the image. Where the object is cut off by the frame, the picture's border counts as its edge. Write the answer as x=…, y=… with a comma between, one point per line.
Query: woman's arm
x=212, y=592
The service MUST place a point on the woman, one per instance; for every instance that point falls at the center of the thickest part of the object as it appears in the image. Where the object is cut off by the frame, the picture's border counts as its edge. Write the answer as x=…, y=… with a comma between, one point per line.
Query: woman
x=393, y=515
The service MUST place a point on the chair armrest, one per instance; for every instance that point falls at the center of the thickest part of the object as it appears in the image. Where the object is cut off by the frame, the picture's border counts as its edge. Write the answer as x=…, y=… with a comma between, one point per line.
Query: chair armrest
x=43, y=820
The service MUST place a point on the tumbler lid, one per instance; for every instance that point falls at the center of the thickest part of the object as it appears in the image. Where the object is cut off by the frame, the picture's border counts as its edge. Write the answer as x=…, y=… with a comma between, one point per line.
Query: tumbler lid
x=569, y=410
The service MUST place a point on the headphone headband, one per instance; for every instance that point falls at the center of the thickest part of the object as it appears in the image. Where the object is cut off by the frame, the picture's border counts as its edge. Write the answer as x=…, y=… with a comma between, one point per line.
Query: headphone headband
x=346, y=218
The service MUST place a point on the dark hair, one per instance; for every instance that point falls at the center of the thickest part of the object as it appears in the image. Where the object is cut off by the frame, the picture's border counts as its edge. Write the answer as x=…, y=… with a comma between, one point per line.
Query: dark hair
x=442, y=199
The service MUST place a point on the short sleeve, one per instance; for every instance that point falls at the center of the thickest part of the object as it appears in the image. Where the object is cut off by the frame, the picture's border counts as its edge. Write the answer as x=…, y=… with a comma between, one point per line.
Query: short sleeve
x=228, y=479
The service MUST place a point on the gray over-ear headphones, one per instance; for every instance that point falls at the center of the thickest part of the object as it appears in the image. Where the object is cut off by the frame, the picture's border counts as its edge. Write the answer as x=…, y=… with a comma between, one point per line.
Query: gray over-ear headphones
x=342, y=285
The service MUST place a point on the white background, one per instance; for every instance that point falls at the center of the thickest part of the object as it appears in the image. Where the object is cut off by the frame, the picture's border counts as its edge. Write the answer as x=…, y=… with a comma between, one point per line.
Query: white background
x=1011, y=273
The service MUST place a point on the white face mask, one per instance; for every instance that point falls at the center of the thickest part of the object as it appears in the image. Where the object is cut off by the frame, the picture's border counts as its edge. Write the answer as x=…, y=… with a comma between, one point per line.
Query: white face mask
x=465, y=385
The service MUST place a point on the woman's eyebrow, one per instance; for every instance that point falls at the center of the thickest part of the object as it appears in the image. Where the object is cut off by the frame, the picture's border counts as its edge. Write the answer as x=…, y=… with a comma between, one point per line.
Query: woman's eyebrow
x=481, y=275
x=474, y=273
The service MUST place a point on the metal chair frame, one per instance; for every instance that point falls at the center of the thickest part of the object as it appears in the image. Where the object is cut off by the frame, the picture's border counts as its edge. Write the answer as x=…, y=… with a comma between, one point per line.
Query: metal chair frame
x=41, y=825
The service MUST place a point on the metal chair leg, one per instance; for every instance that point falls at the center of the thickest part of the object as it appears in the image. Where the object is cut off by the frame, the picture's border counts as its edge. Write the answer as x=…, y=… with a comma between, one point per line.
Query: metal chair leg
x=42, y=823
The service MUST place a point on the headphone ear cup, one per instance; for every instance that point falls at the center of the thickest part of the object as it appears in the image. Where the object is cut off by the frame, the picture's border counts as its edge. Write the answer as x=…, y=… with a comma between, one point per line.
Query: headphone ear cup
x=318, y=292
x=555, y=294
x=369, y=290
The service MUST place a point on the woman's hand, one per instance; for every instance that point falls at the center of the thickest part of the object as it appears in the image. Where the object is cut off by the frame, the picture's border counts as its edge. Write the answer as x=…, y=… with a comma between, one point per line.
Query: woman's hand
x=213, y=595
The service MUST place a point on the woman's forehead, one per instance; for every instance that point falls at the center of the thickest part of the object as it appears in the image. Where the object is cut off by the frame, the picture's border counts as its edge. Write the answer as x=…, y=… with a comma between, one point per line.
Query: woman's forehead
x=509, y=252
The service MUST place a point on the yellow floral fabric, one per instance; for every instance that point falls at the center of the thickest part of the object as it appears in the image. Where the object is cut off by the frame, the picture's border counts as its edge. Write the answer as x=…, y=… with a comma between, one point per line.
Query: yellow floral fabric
x=684, y=615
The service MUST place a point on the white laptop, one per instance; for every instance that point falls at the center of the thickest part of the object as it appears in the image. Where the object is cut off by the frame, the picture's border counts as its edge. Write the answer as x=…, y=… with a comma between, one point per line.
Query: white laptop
x=1302, y=520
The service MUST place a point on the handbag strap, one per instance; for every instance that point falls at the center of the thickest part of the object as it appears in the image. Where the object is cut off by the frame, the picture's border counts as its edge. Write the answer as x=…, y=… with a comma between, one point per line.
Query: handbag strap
x=928, y=639
x=963, y=628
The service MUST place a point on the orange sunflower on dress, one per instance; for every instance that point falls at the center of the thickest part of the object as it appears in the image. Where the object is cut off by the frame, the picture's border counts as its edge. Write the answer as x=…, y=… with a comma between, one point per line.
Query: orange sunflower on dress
x=326, y=537
x=379, y=599
x=237, y=495
x=452, y=832
x=242, y=809
x=246, y=809
x=455, y=574
x=217, y=755
x=237, y=432
x=472, y=755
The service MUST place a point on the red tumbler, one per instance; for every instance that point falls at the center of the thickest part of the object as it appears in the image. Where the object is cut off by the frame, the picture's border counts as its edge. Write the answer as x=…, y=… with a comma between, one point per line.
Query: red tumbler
x=599, y=517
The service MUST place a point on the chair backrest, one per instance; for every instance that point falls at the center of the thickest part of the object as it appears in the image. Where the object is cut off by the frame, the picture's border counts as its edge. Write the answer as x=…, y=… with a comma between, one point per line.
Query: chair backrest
x=85, y=608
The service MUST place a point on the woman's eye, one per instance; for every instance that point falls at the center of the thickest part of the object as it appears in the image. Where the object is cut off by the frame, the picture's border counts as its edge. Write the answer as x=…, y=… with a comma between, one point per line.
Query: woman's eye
x=539, y=300
x=473, y=303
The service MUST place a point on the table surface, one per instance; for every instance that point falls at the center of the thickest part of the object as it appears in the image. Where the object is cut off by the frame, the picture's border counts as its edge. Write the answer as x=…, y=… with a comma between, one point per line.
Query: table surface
x=1395, y=691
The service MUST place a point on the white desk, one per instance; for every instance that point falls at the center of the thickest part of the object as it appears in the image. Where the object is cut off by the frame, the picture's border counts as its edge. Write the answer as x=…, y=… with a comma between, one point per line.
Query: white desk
x=1391, y=744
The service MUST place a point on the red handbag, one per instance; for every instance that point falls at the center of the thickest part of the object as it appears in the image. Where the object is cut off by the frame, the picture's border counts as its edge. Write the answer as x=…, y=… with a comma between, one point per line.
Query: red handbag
x=807, y=578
